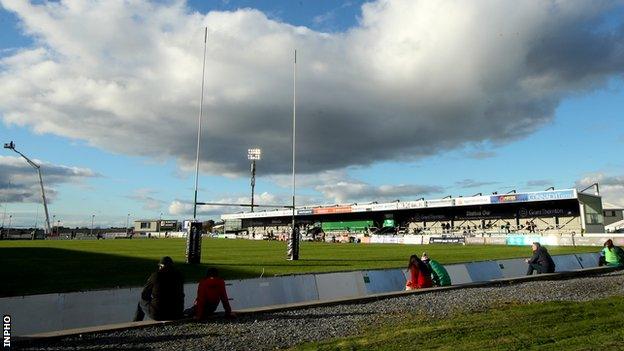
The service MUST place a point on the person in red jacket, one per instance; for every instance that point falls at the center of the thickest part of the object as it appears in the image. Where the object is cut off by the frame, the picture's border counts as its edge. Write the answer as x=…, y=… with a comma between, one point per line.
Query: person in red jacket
x=419, y=274
x=211, y=291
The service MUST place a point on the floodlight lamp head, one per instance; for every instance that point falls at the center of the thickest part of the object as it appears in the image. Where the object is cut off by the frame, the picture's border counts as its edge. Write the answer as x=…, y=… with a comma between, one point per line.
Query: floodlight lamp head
x=254, y=154
x=9, y=145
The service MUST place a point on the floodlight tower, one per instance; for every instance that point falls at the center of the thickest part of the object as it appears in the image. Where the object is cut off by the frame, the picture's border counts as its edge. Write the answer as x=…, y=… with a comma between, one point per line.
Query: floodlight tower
x=11, y=146
x=253, y=155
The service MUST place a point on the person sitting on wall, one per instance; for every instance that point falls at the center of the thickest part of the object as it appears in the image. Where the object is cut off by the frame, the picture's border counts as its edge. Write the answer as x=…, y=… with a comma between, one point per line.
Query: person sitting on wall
x=439, y=274
x=210, y=291
x=162, y=297
x=611, y=255
x=540, y=261
x=419, y=274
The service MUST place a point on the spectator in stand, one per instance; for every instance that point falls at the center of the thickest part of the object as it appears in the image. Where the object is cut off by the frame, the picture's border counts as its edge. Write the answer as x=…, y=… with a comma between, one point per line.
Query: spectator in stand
x=540, y=261
x=419, y=274
x=210, y=291
x=611, y=255
x=440, y=276
x=162, y=297
x=531, y=225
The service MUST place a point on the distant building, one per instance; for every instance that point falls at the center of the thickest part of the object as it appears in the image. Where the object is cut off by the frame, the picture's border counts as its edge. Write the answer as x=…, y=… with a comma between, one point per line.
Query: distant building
x=612, y=214
x=155, y=225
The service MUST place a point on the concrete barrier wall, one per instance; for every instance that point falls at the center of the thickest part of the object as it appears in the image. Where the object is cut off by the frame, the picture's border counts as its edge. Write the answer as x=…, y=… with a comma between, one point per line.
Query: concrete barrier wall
x=565, y=263
x=588, y=260
x=48, y=312
x=339, y=285
x=381, y=281
x=415, y=240
x=515, y=267
x=484, y=271
x=495, y=240
x=249, y=293
x=458, y=273
x=478, y=240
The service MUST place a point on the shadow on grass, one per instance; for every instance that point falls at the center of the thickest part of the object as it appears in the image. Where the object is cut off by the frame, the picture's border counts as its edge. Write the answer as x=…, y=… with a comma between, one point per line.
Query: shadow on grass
x=37, y=270
x=40, y=270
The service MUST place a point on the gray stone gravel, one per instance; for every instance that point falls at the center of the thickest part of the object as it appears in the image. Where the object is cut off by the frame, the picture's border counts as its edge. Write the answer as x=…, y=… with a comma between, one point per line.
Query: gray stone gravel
x=284, y=329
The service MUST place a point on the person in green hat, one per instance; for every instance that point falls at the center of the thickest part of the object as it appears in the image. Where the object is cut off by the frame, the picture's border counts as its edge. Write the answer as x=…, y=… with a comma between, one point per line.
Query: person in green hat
x=439, y=274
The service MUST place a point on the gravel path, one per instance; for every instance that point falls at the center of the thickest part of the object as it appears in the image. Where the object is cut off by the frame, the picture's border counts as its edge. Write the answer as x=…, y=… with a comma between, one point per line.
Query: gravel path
x=283, y=329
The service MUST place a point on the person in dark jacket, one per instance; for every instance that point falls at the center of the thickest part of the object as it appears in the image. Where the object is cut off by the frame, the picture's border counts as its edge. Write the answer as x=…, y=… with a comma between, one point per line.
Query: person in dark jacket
x=162, y=297
x=540, y=261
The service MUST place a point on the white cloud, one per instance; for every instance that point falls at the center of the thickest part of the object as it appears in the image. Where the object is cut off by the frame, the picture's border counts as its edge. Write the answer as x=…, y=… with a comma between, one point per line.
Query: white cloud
x=411, y=79
x=353, y=191
x=339, y=187
x=611, y=187
x=147, y=197
x=19, y=181
x=185, y=208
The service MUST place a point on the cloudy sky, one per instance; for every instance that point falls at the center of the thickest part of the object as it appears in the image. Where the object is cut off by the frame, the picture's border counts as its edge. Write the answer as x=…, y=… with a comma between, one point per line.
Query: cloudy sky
x=396, y=99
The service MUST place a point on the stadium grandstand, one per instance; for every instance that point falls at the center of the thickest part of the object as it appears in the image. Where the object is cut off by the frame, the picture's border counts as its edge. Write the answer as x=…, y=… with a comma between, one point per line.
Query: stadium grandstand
x=565, y=211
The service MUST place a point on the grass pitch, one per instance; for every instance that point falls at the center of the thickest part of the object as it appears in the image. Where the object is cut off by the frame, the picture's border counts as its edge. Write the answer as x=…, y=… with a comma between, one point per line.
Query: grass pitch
x=591, y=325
x=35, y=267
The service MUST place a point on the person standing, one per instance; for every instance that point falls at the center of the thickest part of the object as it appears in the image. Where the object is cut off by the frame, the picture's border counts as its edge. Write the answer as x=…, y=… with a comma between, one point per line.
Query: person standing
x=611, y=255
x=540, y=261
x=418, y=273
x=162, y=297
x=440, y=276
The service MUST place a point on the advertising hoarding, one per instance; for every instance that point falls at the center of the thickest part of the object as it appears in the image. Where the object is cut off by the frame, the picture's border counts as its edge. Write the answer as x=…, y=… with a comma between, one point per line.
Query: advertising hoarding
x=473, y=200
x=361, y=208
x=508, y=198
x=447, y=240
x=388, y=223
x=441, y=203
x=534, y=196
x=551, y=195
x=384, y=207
x=404, y=205
x=329, y=210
